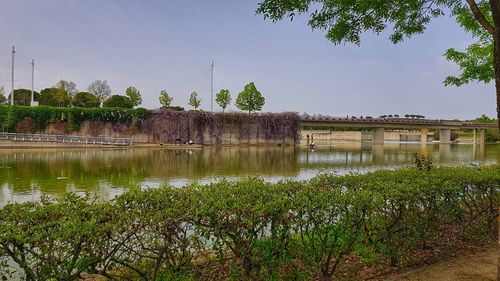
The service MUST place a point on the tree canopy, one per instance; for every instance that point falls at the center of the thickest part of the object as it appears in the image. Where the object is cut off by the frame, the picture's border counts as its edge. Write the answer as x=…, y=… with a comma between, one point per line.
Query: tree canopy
x=100, y=89
x=194, y=100
x=134, y=95
x=223, y=99
x=23, y=97
x=54, y=97
x=476, y=61
x=3, y=99
x=165, y=99
x=85, y=99
x=250, y=99
x=68, y=86
x=118, y=101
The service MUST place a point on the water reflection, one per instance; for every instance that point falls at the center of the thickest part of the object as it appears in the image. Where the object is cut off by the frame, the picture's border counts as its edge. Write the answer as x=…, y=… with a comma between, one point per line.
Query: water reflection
x=28, y=174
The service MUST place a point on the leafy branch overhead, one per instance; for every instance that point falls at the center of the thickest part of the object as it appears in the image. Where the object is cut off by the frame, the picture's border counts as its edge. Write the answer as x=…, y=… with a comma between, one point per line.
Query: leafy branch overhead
x=345, y=20
x=476, y=62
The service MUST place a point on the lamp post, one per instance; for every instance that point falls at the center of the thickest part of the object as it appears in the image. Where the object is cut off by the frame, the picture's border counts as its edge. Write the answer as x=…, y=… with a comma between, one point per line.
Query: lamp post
x=12, y=91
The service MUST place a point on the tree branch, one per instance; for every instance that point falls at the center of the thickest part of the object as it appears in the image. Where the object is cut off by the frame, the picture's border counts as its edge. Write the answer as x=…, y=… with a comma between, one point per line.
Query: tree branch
x=478, y=15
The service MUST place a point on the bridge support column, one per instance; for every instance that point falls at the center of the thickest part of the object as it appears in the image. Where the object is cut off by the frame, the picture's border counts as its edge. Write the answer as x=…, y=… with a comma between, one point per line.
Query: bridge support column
x=378, y=136
x=479, y=136
x=423, y=135
x=444, y=135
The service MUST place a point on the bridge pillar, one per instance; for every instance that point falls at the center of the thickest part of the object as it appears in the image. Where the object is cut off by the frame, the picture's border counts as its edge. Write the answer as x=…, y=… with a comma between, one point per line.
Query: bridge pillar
x=444, y=135
x=378, y=136
x=423, y=135
x=479, y=136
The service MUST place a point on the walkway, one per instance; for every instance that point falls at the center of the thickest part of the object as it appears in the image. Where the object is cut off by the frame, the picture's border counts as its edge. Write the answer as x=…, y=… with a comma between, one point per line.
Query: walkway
x=478, y=266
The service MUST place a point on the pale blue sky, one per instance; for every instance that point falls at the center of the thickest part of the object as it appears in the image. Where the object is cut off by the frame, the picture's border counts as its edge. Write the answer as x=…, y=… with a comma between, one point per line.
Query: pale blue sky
x=157, y=44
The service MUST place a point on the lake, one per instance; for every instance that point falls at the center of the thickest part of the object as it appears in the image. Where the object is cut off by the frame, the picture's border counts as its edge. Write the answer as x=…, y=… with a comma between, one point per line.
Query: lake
x=27, y=174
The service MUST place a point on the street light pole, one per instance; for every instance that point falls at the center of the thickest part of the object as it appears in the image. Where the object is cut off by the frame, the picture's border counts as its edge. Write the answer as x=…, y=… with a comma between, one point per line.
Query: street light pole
x=12, y=91
x=212, y=89
x=32, y=81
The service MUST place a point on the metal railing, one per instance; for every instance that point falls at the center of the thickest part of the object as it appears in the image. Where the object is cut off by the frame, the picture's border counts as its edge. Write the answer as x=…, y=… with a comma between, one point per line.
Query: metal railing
x=65, y=139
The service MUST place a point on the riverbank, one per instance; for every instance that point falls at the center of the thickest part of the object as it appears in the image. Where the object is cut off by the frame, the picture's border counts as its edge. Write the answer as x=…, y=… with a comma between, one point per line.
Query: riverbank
x=7, y=144
x=327, y=227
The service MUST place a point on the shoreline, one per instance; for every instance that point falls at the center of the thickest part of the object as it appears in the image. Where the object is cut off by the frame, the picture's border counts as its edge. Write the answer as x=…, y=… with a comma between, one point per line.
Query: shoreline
x=8, y=144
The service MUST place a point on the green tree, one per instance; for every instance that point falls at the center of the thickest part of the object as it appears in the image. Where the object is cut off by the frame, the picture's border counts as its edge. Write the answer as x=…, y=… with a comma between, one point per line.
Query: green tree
x=118, y=101
x=85, y=99
x=68, y=86
x=250, y=99
x=100, y=89
x=345, y=21
x=165, y=99
x=194, y=100
x=54, y=97
x=223, y=99
x=134, y=95
x=23, y=97
x=476, y=61
x=3, y=99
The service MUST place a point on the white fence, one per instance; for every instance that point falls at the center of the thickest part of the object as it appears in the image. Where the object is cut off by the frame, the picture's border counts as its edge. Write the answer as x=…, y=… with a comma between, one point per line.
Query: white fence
x=65, y=139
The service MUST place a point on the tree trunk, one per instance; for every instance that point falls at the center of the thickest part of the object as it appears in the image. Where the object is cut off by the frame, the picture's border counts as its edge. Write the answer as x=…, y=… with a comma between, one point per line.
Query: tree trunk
x=495, y=10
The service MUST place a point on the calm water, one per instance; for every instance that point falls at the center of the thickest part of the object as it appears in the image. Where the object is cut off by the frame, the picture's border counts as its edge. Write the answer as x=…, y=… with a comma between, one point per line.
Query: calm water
x=28, y=174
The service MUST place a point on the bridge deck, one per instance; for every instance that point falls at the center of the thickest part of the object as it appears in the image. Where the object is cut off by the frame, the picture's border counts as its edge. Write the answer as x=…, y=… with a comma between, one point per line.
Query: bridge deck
x=403, y=123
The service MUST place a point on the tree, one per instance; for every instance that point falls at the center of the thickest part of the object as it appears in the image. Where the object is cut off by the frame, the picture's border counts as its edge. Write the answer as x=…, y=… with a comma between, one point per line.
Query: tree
x=476, y=62
x=194, y=101
x=345, y=21
x=118, y=101
x=134, y=95
x=250, y=99
x=23, y=97
x=100, y=89
x=68, y=86
x=54, y=97
x=223, y=99
x=3, y=99
x=165, y=99
x=85, y=99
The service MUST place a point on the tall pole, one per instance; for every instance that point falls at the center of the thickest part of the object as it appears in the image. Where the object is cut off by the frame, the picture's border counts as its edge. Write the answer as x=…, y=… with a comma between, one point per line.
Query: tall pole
x=32, y=81
x=12, y=91
x=212, y=89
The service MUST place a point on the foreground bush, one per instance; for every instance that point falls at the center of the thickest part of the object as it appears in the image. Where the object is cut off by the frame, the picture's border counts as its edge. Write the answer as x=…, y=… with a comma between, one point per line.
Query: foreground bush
x=253, y=230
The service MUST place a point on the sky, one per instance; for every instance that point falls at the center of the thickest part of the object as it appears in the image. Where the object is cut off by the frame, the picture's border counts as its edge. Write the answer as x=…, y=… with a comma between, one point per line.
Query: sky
x=157, y=44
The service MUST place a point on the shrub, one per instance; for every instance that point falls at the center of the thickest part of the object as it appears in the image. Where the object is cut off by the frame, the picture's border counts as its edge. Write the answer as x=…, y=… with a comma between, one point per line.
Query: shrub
x=254, y=230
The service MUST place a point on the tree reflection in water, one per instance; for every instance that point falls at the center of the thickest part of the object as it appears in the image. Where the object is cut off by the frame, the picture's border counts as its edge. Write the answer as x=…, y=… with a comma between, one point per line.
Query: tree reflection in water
x=27, y=174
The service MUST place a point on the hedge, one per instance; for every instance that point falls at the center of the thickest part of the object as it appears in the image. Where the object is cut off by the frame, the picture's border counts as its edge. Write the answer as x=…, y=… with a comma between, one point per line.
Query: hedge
x=255, y=230
x=10, y=116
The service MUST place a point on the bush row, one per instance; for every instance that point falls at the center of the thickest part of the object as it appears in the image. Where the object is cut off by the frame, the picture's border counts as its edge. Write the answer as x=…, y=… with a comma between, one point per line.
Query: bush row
x=251, y=229
x=42, y=116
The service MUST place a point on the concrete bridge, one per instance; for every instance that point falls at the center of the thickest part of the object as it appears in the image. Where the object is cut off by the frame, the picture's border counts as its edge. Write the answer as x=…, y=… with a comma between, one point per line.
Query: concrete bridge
x=378, y=125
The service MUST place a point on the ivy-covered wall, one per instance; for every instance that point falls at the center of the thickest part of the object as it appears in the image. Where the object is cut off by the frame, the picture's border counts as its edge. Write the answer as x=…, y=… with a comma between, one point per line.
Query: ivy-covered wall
x=160, y=126
x=223, y=128
x=43, y=116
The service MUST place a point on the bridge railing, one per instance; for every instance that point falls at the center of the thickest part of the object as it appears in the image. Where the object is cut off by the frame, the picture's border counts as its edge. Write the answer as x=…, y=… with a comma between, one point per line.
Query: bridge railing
x=65, y=139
